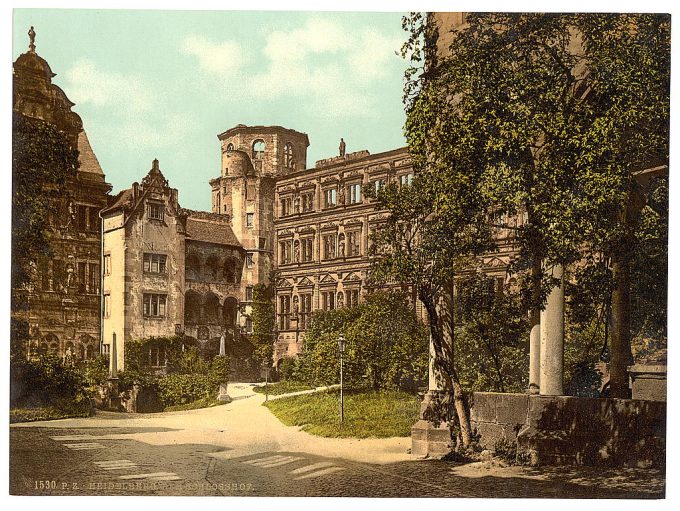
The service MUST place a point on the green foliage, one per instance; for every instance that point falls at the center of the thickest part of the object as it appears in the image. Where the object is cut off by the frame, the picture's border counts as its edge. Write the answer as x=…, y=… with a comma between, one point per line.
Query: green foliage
x=282, y=387
x=41, y=162
x=289, y=369
x=97, y=371
x=176, y=389
x=46, y=382
x=367, y=414
x=491, y=336
x=386, y=345
x=264, y=321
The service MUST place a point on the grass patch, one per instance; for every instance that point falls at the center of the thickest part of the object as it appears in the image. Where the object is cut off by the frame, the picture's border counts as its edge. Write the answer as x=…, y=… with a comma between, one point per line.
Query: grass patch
x=367, y=414
x=206, y=402
x=283, y=387
x=44, y=413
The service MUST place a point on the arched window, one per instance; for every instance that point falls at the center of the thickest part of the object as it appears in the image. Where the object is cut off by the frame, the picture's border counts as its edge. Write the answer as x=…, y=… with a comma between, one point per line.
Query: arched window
x=192, y=307
x=258, y=149
x=193, y=265
x=230, y=147
x=212, y=308
x=288, y=155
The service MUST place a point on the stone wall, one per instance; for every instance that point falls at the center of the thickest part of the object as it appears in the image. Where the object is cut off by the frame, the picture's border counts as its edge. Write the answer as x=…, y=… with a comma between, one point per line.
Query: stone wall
x=554, y=430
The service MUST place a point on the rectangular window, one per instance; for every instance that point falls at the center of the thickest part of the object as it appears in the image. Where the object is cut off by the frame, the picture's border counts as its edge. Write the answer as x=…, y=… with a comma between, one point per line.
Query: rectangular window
x=284, y=312
x=93, y=280
x=305, y=309
x=155, y=263
x=250, y=262
x=355, y=193
x=155, y=210
x=250, y=219
x=249, y=326
x=307, y=202
x=107, y=264
x=307, y=249
x=106, y=349
x=107, y=306
x=82, y=277
x=379, y=184
x=329, y=246
x=285, y=207
x=94, y=219
x=249, y=293
x=285, y=247
x=328, y=300
x=331, y=197
x=154, y=305
x=352, y=297
x=405, y=180
x=82, y=218
x=354, y=243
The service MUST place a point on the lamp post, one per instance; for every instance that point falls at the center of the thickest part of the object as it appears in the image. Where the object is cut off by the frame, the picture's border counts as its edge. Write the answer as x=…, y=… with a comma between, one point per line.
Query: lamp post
x=341, y=349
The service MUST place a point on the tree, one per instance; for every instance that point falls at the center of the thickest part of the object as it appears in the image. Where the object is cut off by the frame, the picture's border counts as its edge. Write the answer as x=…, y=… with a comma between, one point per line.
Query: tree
x=264, y=322
x=427, y=239
x=563, y=110
x=42, y=160
x=386, y=344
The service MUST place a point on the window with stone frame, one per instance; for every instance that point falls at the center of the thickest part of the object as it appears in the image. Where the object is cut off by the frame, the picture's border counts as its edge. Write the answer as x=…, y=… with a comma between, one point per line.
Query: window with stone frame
x=379, y=184
x=405, y=180
x=307, y=249
x=288, y=155
x=258, y=149
x=93, y=279
x=354, y=243
x=155, y=210
x=354, y=192
x=307, y=202
x=107, y=305
x=250, y=260
x=330, y=197
x=285, y=251
x=249, y=325
x=328, y=300
x=249, y=293
x=230, y=146
x=82, y=277
x=286, y=206
x=305, y=309
x=250, y=219
x=155, y=263
x=93, y=220
x=154, y=305
x=352, y=297
x=284, y=312
x=107, y=264
x=329, y=244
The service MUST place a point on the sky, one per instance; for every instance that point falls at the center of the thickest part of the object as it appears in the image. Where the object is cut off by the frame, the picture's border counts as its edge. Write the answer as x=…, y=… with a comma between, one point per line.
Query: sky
x=163, y=84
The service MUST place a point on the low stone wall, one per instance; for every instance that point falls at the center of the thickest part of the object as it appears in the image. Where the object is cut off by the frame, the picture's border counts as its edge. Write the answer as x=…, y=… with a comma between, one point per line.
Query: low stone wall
x=572, y=430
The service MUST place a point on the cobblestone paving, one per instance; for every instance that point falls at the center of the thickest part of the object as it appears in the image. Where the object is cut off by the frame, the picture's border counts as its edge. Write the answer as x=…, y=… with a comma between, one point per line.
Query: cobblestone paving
x=43, y=461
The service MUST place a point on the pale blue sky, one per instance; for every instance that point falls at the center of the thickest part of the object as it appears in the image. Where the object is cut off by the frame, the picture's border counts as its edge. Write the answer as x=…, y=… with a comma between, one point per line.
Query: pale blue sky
x=163, y=84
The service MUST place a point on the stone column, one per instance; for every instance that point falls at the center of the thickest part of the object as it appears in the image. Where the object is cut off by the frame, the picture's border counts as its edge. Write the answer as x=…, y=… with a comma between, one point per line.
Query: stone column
x=552, y=339
x=534, y=352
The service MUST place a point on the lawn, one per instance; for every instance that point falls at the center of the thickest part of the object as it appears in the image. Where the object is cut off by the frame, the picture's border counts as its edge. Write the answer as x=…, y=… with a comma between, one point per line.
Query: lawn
x=367, y=414
x=283, y=387
x=45, y=413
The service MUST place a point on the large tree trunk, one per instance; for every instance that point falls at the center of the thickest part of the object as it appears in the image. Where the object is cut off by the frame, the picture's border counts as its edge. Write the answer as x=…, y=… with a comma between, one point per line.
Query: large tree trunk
x=620, y=333
x=444, y=364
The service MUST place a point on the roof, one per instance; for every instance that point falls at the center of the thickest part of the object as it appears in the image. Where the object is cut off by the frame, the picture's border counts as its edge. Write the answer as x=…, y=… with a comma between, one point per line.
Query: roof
x=117, y=201
x=201, y=227
x=88, y=160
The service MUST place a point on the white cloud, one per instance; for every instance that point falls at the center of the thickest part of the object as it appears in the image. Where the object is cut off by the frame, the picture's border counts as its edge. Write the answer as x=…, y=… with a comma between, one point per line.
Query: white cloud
x=220, y=58
x=324, y=64
x=89, y=84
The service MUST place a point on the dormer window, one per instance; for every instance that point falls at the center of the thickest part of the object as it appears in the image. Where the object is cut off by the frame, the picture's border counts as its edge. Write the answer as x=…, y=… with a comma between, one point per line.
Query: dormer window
x=258, y=149
x=288, y=155
x=155, y=210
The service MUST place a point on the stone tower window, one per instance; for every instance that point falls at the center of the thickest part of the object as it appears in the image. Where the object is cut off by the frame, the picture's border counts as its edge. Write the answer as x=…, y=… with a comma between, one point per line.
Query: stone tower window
x=288, y=155
x=230, y=147
x=258, y=149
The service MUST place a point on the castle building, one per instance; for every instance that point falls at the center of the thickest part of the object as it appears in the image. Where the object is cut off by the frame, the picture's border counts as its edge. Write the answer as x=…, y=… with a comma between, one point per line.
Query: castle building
x=167, y=271
x=64, y=296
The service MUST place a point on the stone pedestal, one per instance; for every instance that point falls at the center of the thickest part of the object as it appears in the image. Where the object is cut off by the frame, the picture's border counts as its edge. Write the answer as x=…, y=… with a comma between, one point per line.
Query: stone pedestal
x=223, y=395
x=552, y=340
x=428, y=440
x=115, y=402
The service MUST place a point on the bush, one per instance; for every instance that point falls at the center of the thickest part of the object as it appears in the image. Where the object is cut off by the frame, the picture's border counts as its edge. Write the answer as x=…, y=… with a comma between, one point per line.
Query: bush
x=177, y=389
x=97, y=371
x=46, y=384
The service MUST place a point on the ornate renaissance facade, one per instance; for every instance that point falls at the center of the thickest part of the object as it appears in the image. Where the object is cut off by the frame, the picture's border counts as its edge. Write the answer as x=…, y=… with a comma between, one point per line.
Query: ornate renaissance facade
x=64, y=295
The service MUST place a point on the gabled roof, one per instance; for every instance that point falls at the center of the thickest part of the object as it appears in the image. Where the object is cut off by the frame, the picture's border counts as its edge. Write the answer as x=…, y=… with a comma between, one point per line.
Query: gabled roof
x=88, y=160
